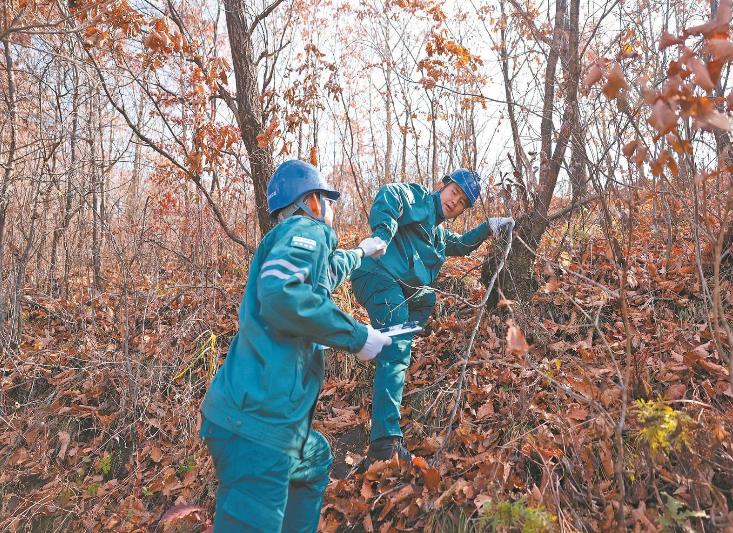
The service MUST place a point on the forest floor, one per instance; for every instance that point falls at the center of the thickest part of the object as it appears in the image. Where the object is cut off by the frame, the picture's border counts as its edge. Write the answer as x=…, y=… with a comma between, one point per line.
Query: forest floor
x=100, y=412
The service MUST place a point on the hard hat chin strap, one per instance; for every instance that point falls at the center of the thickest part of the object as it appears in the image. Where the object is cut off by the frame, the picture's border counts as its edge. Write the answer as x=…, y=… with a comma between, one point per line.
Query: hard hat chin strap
x=301, y=205
x=310, y=213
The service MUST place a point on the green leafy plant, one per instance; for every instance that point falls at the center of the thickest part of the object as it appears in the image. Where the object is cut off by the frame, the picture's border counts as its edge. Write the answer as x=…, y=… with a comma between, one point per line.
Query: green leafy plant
x=105, y=464
x=516, y=515
x=676, y=517
x=93, y=488
x=664, y=429
x=186, y=466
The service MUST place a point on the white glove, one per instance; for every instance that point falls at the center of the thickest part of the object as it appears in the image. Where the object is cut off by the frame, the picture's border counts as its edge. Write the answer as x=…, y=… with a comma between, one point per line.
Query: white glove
x=373, y=247
x=500, y=224
x=376, y=340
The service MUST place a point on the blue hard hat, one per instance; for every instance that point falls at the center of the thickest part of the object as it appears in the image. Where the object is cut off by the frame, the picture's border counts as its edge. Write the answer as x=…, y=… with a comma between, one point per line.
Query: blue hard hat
x=468, y=181
x=293, y=179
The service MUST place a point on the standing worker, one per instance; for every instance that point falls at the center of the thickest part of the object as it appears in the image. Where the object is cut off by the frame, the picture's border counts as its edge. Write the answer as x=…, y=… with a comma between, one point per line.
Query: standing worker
x=408, y=218
x=271, y=465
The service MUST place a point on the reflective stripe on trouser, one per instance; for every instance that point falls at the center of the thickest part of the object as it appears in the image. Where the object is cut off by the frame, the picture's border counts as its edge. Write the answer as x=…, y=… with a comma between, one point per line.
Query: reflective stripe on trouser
x=263, y=490
x=387, y=304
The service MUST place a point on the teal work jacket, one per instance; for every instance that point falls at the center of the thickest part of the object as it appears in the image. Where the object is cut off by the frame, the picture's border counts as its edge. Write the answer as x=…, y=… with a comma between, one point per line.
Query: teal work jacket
x=409, y=218
x=267, y=388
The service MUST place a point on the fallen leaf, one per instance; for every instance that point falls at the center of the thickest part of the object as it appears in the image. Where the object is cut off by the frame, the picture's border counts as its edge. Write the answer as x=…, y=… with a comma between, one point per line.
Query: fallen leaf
x=481, y=500
x=432, y=478
x=367, y=523
x=606, y=460
x=64, y=439
x=366, y=490
x=676, y=391
x=181, y=511
x=374, y=469
x=577, y=413
x=155, y=454
x=515, y=341
x=485, y=410
x=552, y=285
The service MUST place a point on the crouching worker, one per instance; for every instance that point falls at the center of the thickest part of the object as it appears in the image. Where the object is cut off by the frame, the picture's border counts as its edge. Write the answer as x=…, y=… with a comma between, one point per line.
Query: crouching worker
x=271, y=465
x=395, y=288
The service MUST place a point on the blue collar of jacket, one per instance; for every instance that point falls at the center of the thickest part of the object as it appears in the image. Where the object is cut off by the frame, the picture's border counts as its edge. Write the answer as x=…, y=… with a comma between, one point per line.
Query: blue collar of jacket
x=328, y=231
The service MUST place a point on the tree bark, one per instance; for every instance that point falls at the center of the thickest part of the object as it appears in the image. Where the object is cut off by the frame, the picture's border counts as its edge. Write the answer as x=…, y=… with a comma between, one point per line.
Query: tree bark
x=521, y=161
x=518, y=282
x=95, y=188
x=60, y=231
x=434, y=139
x=250, y=115
x=8, y=165
x=388, y=122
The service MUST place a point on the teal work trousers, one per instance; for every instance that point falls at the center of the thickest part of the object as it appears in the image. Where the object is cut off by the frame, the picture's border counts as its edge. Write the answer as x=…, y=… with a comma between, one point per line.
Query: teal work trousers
x=263, y=490
x=388, y=302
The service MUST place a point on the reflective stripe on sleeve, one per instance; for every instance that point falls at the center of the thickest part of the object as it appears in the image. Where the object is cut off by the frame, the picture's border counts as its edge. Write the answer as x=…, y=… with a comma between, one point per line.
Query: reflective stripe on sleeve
x=282, y=275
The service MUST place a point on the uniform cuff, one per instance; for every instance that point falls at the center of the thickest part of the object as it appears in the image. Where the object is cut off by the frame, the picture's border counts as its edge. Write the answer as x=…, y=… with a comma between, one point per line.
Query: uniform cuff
x=359, y=339
x=383, y=234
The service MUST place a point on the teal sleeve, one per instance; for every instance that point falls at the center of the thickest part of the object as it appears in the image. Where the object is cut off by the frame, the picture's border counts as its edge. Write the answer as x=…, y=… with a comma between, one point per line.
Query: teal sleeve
x=343, y=263
x=456, y=244
x=289, y=303
x=387, y=209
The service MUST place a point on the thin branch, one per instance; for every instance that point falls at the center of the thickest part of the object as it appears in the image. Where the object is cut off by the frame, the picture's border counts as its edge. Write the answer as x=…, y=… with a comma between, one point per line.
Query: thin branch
x=262, y=16
x=469, y=348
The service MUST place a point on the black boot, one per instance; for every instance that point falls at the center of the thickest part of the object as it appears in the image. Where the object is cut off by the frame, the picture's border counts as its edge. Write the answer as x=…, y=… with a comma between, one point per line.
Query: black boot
x=384, y=448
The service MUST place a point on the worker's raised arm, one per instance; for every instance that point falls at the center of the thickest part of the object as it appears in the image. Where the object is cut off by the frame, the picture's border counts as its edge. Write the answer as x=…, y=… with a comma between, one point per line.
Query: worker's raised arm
x=342, y=264
x=457, y=244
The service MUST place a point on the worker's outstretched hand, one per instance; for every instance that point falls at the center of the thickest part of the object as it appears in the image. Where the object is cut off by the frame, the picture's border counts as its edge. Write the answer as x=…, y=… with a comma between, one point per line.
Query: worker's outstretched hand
x=376, y=340
x=499, y=225
x=373, y=247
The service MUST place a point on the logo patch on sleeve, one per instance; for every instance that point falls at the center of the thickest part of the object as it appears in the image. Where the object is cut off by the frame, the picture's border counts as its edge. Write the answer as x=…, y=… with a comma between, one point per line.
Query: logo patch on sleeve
x=303, y=242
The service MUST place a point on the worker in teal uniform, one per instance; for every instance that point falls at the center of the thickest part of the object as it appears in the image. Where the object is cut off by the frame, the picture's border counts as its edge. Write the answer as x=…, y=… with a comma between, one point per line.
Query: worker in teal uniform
x=271, y=465
x=395, y=288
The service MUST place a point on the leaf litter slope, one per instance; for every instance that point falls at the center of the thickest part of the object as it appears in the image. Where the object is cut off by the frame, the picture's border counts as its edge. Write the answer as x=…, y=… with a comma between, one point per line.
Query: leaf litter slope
x=94, y=440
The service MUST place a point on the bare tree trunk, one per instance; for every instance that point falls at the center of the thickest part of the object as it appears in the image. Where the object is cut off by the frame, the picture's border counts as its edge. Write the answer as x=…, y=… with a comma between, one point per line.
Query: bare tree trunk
x=434, y=139
x=94, y=176
x=300, y=140
x=578, y=175
x=16, y=315
x=388, y=121
x=314, y=128
x=723, y=148
x=134, y=190
x=519, y=281
x=520, y=158
x=8, y=172
x=474, y=137
x=403, y=163
x=68, y=196
x=250, y=116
